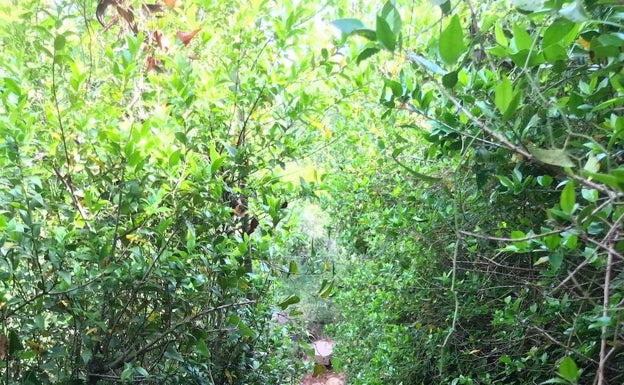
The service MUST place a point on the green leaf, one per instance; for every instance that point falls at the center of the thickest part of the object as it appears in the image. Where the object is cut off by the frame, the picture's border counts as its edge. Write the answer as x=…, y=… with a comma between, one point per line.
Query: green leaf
x=215, y=165
x=173, y=354
x=450, y=79
x=557, y=32
x=190, y=237
x=367, y=33
x=326, y=288
x=244, y=330
x=231, y=150
x=292, y=268
x=421, y=61
x=513, y=105
x=554, y=53
x=568, y=370
x=600, y=322
x=451, y=44
x=590, y=195
x=567, y=198
x=397, y=89
x=607, y=179
x=574, y=12
x=385, y=35
x=365, y=54
x=499, y=35
x=354, y=27
x=552, y=241
x=290, y=300
x=202, y=349
x=142, y=371
x=15, y=343
x=521, y=39
x=66, y=277
x=59, y=42
x=544, y=180
x=318, y=370
x=392, y=16
x=503, y=94
x=541, y=260
x=528, y=5
x=347, y=26
x=127, y=373
x=86, y=355
x=555, y=157
x=555, y=380
x=555, y=260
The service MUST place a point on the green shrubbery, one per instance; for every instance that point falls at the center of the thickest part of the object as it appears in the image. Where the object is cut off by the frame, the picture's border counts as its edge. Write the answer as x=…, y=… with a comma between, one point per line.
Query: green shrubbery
x=494, y=255
x=141, y=202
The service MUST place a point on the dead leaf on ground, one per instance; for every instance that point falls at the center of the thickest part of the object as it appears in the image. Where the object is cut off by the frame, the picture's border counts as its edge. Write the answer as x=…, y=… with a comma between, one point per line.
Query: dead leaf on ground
x=186, y=36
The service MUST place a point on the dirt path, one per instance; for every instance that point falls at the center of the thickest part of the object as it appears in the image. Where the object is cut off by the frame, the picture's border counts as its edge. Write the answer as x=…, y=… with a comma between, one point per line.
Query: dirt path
x=322, y=356
x=327, y=378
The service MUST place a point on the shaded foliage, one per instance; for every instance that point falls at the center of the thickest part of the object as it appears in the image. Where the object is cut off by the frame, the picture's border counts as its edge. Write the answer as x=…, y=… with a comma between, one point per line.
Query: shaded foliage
x=494, y=255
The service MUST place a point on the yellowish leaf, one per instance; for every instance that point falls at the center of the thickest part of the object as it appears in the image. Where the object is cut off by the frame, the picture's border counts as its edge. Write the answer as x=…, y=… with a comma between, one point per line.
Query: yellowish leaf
x=37, y=348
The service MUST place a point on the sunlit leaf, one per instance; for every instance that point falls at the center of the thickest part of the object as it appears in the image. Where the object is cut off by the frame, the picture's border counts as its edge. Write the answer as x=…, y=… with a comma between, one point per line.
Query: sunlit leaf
x=574, y=12
x=568, y=370
x=425, y=63
x=567, y=199
x=557, y=32
x=385, y=35
x=555, y=157
x=528, y=5
x=392, y=16
x=347, y=26
x=503, y=94
x=451, y=44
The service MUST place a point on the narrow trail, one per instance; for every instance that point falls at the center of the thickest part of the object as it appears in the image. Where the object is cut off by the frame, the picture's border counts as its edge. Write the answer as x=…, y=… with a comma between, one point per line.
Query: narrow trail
x=327, y=378
x=322, y=356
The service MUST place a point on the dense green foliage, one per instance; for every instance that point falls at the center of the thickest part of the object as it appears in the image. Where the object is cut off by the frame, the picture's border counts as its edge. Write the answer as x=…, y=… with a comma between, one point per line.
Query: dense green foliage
x=472, y=172
x=485, y=224
x=141, y=201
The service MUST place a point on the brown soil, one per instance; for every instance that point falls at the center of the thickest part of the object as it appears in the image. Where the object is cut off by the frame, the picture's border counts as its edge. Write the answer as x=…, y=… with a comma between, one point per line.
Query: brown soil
x=327, y=378
x=322, y=355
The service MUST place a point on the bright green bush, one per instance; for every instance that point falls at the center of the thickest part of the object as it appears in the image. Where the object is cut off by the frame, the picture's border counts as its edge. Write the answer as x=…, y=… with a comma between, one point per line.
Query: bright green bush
x=140, y=189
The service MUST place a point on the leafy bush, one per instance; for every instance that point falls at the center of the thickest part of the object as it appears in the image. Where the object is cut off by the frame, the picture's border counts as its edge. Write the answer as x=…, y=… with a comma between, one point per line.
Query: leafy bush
x=500, y=243
x=141, y=193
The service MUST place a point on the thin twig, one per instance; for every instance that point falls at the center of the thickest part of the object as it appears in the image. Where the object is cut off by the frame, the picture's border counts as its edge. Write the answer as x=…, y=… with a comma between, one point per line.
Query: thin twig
x=70, y=189
x=527, y=238
x=128, y=356
x=557, y=342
